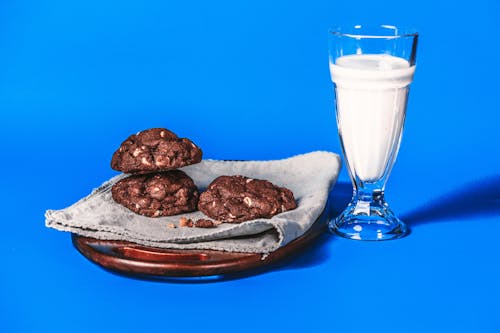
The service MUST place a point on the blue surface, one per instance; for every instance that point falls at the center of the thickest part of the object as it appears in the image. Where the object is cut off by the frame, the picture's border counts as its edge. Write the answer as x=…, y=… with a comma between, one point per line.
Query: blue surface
x=76, y=77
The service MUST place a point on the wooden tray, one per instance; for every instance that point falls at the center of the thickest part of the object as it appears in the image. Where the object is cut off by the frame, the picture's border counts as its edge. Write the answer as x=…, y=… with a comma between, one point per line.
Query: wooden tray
x=148, y=262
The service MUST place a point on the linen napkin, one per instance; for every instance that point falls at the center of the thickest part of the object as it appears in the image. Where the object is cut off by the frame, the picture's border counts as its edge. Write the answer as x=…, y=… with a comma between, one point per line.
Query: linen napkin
x=309, y=176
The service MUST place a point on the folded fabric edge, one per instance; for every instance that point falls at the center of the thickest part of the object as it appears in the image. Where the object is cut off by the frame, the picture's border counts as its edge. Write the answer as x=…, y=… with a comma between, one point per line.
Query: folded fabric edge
x=200, y=245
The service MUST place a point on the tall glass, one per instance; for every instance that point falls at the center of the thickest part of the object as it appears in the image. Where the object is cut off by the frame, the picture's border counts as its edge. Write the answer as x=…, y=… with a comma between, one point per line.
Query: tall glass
x=371, y=68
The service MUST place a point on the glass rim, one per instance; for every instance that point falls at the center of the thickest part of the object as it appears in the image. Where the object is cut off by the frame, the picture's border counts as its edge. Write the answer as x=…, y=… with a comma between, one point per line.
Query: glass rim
x=341, y=31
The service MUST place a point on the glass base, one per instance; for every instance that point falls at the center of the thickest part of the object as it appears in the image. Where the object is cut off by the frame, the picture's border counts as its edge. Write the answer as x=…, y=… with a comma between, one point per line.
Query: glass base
x=369, y=221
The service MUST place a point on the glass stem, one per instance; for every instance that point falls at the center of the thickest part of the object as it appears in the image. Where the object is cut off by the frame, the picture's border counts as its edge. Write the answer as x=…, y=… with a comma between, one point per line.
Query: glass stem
x=366, y=197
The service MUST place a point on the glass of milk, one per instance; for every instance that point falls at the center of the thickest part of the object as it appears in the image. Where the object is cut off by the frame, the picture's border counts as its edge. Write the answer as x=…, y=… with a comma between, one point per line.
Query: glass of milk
x=371, y=68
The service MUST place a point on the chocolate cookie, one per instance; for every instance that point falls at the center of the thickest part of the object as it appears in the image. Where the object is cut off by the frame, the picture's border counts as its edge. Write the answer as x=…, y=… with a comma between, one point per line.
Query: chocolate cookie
x=160, y=194
x=155, y=149
x=238, y=199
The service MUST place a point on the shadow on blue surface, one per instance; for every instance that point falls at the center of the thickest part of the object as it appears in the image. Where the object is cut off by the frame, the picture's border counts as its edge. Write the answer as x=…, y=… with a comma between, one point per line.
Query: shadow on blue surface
x=481, y=198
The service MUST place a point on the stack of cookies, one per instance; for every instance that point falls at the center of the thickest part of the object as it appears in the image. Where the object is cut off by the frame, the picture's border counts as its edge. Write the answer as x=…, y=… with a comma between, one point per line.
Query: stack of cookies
x=156, y=188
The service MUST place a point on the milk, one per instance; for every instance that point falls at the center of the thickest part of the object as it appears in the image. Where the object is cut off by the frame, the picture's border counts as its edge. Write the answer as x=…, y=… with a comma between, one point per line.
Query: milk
x=371, y=93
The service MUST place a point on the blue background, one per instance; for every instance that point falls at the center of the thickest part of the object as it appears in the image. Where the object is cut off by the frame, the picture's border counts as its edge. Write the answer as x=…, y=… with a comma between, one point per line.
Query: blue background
x=247, y=80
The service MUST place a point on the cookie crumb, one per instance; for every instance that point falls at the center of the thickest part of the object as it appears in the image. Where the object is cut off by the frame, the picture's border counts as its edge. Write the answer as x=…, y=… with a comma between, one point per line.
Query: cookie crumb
x=185, y=222
x=206, y=223
x=171, y=225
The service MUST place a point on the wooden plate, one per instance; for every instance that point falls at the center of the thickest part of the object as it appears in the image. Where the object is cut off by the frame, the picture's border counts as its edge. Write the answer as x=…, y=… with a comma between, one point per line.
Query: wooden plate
x=148, y=262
